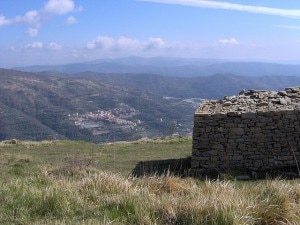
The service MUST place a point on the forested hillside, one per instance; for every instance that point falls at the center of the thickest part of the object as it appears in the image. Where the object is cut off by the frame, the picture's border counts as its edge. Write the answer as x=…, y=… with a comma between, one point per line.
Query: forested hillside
x=111, y=107
x=47, y=107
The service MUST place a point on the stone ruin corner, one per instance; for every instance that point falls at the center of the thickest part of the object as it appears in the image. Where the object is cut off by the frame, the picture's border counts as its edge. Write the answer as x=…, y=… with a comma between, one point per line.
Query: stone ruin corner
x=254, y=130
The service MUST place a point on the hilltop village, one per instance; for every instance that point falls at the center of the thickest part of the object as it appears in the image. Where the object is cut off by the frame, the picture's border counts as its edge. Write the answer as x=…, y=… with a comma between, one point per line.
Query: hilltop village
x=117, y=116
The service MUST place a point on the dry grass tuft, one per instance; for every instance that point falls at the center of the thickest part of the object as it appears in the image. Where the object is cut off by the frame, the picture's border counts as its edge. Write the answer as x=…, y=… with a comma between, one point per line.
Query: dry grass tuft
x=277, y=202
x=113, y=199
x=163, y=184
x=73, y=167
x=26, y=143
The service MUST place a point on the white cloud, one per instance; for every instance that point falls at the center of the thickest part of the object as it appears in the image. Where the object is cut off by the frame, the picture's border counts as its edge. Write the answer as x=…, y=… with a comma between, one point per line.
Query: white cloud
x=229, y=42
x=59, y=6
x=4, y=21
x=290, y=27
x=103, y=42
x=124, y=42
x=155, y=42
x=35, y=18
x=35, y=45
x=32, y=31
x=54, y=46
x=31, y=18
x=291, y=13
x=70, y=20
x=110, y=43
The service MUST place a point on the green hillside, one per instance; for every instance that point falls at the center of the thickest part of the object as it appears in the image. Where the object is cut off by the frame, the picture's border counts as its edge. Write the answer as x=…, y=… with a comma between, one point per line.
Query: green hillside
x=206, y=87
x=38, y=107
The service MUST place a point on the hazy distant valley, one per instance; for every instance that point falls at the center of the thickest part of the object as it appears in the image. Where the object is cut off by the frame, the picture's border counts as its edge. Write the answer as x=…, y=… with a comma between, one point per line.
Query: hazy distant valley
x=174, y=67
x=102, y=101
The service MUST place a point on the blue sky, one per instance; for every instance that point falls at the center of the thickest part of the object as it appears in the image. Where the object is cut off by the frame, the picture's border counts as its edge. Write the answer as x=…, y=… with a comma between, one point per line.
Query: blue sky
x=63, y=31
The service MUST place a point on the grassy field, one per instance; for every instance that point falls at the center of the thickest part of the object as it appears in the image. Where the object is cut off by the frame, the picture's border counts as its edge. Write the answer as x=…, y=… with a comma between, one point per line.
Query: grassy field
x=82, y=183
x=29, y=157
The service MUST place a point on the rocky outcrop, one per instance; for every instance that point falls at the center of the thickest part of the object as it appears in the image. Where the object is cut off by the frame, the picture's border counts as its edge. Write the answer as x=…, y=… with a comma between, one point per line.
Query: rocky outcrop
x=255, y=130
x=253, y=101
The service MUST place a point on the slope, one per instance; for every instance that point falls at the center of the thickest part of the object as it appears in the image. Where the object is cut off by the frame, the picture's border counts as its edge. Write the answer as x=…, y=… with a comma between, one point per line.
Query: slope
x=77, y=108
x=208, y=87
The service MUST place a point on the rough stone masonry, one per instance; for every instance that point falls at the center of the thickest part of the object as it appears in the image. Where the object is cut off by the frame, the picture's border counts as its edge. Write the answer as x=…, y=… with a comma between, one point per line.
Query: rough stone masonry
x=256, y=130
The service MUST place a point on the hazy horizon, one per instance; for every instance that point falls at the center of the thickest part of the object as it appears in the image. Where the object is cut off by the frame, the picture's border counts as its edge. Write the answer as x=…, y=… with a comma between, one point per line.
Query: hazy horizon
x=116, y=59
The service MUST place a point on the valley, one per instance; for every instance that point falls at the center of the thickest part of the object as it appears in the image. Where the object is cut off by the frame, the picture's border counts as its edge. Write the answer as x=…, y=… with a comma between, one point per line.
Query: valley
x=35, y=107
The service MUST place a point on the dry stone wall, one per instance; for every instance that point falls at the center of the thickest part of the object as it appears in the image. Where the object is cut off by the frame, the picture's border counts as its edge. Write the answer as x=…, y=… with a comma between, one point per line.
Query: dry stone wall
x=255, y=130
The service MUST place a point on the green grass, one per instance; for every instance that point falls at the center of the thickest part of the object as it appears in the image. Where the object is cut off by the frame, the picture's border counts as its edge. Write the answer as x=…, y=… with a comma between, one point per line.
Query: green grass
x=83, y=183
x=27, y=157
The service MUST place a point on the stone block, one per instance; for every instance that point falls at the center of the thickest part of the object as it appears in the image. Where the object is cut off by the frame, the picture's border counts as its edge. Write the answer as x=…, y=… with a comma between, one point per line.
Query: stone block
x=237, y=120
x=255, y=157
x=249, y=115
x=195, y=163
x=224, y=158
x=197, y=153
x=234, y=114
x=199, y=130
x=210, y=153
x=214, y=158
x=258, y=163
x=256, y=130
x=287, y=158
x=202, y=114
x=217, y=147
x=203, y=158
x=237, y=130
x=220, y=115
x=263, y=119
x=237, y=157
x=208, y=129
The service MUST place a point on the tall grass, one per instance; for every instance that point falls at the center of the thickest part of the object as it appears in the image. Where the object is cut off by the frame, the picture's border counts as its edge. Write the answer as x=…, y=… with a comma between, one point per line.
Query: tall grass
x=69, y=183
x=97, y=197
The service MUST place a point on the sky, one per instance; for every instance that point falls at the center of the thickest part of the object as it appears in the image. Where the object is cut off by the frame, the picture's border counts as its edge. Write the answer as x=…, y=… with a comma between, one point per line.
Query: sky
x=39, y=32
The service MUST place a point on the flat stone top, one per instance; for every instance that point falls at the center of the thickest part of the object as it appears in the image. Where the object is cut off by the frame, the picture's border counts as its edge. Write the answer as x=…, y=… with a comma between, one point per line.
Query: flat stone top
x=253, y=101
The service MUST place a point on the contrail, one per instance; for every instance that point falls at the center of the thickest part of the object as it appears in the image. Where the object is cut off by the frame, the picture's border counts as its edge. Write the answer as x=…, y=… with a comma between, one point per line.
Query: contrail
x=290, y=13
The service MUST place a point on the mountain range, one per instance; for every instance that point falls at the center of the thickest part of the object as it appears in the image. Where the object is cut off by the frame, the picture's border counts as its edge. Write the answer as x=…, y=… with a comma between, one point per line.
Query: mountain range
x=206, y=87
x=172, y=67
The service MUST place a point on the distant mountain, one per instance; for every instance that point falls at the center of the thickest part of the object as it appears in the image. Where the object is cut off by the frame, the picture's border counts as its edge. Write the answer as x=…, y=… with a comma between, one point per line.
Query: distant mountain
x=159, y=61
x=208, y=87
x=172, y=67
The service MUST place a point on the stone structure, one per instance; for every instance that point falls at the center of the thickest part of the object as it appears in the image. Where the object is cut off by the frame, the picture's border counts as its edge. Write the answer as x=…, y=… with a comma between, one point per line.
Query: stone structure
x=256, y=130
